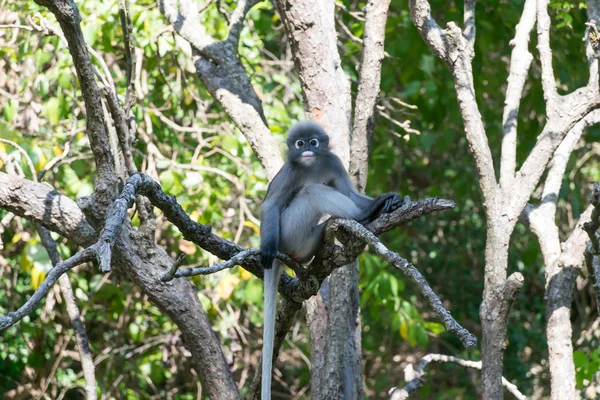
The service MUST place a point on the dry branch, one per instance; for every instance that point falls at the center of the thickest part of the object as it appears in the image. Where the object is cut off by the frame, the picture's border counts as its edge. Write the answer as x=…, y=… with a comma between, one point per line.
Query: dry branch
x=415, y=379
x=468, y=339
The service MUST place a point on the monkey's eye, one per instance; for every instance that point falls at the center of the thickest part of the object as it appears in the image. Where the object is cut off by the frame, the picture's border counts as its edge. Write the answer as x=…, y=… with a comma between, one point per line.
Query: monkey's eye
x=314, y=142
x=299, y=143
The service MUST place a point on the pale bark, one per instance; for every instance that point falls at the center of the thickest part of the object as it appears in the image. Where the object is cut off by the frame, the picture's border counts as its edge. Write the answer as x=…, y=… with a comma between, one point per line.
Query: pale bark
x=368, y=90
x=504, y=202
x=310, y=29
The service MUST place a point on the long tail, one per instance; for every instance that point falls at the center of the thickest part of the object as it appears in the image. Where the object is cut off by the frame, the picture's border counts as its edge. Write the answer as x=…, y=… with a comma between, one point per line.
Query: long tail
x=270, y=293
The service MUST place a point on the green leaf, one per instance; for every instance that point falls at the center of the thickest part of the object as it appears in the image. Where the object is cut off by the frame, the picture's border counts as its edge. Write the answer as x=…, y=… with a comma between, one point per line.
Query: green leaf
x=167, y=180
x=10, y=110
x=434, y=327
x=52, y=107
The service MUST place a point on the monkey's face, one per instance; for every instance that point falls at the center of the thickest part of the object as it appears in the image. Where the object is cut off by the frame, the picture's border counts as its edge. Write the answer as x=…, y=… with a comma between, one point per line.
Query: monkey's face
x=307, y=150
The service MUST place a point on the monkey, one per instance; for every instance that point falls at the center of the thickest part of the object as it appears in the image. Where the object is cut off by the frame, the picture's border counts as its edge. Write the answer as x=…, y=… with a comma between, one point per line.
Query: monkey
x=311, y=184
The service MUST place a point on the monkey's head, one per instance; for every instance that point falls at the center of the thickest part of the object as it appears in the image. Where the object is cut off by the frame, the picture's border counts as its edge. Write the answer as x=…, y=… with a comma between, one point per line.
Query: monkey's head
x=307, y=141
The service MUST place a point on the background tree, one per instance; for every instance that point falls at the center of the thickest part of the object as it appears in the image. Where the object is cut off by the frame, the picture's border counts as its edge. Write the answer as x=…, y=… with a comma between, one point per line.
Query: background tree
x=197, y=109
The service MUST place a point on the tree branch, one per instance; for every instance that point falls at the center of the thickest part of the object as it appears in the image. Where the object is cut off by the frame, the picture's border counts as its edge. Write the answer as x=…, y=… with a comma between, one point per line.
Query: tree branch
x=469, y=27
x=79, y=258
x=520, y=61
x=40, y=202
x=468, y=339
x=368, y=90
x=220, y=70
x=431, y=32
x=543, y=46
x=85, y=355
x=415, y=379
x=67, y=14
x=237, y=20
x=450, y=46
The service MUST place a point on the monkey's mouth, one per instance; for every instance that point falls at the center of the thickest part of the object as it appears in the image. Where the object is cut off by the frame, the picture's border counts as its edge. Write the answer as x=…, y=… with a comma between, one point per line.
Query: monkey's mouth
x=306, y=155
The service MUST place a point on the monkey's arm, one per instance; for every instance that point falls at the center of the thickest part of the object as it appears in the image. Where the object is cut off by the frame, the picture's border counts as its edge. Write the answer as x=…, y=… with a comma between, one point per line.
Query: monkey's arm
x=269, y=232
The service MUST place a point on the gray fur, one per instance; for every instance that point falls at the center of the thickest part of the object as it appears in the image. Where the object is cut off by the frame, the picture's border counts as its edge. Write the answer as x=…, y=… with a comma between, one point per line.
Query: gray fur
x=303, y=191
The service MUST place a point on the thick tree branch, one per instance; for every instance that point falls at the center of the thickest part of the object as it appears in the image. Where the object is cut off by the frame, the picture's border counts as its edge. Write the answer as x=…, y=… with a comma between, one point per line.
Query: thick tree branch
x=40, y=202
x=520, y=61
x=563, y=262
x=431, y=32
x=237, y=19
x=220, y=70
x=415, y=379
x=368, y=90
x=452, y=47
x=67, y=14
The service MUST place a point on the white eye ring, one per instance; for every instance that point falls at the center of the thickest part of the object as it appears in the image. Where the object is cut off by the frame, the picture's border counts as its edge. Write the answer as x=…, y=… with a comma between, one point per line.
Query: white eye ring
x=314, y=142
x=299, y=143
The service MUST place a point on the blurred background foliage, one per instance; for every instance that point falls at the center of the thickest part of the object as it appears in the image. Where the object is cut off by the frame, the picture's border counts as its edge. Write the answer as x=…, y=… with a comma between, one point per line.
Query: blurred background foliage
x=187, y=142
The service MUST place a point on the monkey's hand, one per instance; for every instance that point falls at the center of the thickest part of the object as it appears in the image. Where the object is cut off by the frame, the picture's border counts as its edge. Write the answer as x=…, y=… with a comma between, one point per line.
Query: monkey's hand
x=392, y=203
x=268, y=252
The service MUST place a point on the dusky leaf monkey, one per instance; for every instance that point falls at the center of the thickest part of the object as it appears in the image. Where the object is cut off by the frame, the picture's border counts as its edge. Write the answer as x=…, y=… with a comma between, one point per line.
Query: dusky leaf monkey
x=311, y=184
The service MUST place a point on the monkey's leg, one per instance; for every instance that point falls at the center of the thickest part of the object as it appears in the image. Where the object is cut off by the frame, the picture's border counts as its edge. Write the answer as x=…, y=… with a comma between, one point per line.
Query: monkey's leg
x=300, y=229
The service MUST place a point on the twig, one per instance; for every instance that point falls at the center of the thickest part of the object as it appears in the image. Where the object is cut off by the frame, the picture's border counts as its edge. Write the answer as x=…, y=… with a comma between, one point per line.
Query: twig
x=468, y=339
x=416, y=378
x=25, y=155
x=238, y=259
x=87, y=363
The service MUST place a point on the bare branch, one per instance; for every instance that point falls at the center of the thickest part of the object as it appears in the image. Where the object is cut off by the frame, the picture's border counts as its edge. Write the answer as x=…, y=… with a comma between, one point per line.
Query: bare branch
x=449, y=45
x=85, y=355
x=520, y=61
x=368, y=90
x=13, y=317
x=219, y=68
x=432, y=34
x=237, y=19
x=238, y=259
x=468, y=339
x=67, y=15
x=40, y=202
x=469, y=27
x=407, y=212
x=543, y=46
x=416, y=378
x=183, y=15
x=574, y=107
x=127, y=28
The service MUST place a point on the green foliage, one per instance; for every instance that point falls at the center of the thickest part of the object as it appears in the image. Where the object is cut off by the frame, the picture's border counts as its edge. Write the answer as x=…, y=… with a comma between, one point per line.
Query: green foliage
x=187, y=142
